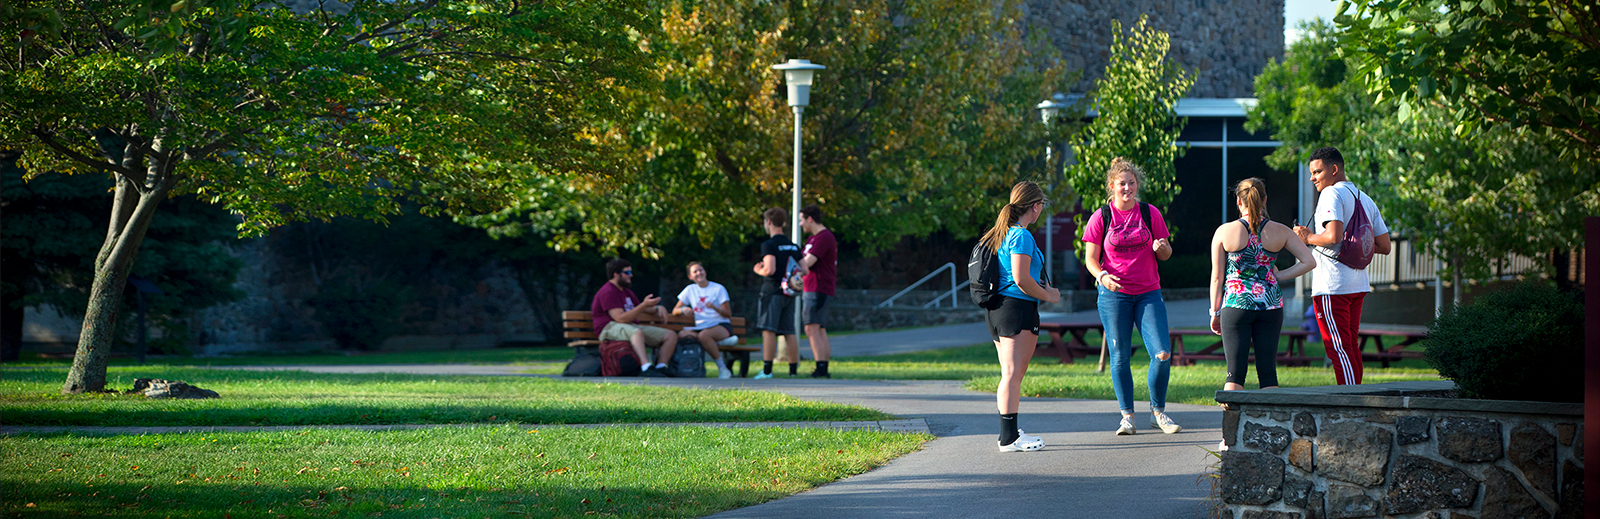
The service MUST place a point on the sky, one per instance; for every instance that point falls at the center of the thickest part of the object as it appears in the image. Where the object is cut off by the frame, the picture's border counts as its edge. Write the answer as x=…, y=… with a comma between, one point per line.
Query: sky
x=1296, y=10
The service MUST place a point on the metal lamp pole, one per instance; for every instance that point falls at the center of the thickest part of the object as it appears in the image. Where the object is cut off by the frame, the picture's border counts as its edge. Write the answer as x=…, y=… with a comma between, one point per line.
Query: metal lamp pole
x=797, y=73
x=1047, y=112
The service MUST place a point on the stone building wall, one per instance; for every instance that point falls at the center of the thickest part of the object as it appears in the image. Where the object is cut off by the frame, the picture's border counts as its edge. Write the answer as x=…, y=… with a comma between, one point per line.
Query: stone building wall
x=1227, y=42
x=1398, y=450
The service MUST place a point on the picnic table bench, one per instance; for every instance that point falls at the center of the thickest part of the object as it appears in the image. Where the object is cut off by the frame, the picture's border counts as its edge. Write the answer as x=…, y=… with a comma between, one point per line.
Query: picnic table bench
x=578, y=328
x=1068, y=342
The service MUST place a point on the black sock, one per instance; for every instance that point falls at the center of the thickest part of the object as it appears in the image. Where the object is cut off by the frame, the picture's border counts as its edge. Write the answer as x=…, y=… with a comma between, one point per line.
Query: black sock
x=766, y=367
x=794, y=368
x=822, y=367
x=1008, y=429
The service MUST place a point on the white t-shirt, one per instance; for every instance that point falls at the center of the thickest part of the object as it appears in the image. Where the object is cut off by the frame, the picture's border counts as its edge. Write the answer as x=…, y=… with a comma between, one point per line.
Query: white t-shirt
x=705, y=301
x=1337, y=202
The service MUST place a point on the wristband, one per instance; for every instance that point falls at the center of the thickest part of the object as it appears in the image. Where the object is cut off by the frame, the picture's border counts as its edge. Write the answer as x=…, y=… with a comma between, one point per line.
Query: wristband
x=1216, y=313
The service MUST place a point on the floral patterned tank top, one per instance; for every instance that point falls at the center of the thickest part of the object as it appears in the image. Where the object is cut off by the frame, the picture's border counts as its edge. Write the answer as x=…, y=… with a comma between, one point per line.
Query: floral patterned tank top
x=1250, y=284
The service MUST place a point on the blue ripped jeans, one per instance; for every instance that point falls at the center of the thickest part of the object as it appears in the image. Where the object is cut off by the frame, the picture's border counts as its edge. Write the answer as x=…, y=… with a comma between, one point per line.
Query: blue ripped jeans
x=1119, y=312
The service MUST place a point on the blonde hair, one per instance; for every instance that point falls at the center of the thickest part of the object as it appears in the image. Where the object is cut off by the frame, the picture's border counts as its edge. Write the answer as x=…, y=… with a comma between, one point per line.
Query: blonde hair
x=1253, y=193
x=1023, y=196
x=1119, y=166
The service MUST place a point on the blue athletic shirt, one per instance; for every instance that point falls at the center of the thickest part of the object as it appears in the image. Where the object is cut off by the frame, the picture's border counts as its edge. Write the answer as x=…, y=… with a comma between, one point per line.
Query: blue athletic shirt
x=1019, y=241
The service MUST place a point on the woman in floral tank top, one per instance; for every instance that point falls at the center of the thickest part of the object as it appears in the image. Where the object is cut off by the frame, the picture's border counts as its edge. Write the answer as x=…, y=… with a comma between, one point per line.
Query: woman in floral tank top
x=1246, y=306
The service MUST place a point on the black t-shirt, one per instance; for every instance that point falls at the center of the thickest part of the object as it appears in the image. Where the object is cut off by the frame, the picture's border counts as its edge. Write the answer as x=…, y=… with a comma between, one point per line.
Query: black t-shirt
x=784, y=250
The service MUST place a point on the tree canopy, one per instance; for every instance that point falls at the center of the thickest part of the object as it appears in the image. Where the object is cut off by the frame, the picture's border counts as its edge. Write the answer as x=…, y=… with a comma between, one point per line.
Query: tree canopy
x=342, y=109
x=922, y=120
x=1522, y=63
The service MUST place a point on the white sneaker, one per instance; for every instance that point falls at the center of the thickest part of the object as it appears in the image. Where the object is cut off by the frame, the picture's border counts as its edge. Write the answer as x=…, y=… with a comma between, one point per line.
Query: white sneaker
x=1023, y=443
x=1222, y=445
x=730, y=341
x=1164, y=422
x=1126, y=427
x=724, y=373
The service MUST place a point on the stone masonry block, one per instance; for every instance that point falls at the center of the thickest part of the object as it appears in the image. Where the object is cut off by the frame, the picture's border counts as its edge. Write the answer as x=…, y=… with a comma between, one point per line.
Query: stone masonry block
x=1297, y=491
x=1265, y=438
x=1411, y=429
x=1533, y=451
x=1347, y=502
x=1305, y=424
x=1566, y=431
x=1469, y=440
x=1230, y=427
x=1270, y=514
x=1423, y=484
x=1301, y=454
x=1571, y=492
x=1505, y=498
x=1354, y=452
x=1251, y=478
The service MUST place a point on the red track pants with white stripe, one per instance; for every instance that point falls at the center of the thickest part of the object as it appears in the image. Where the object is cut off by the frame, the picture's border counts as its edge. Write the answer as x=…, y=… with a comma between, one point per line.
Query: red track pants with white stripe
x=1339, y=319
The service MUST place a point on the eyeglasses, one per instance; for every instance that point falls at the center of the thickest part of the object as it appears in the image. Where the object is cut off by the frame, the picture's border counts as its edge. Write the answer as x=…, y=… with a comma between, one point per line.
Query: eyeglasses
x=628, y=272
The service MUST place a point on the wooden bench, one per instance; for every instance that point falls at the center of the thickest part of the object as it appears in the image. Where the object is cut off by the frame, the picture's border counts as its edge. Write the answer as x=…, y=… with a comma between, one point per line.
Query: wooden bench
x=1379, y=353
x=1294, y=355
x=1068, y=342
x=578, y=328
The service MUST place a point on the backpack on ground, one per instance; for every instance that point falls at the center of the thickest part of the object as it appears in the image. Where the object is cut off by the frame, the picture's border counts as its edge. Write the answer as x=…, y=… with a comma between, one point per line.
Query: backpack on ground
x=689, y=360
x=585, y=363
x=617, y=359
x=983, y=269
x=1355, y=247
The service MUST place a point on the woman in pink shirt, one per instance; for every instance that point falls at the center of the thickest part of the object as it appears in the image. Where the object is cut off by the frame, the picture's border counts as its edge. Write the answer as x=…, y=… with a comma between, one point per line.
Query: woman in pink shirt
x=1125, y=239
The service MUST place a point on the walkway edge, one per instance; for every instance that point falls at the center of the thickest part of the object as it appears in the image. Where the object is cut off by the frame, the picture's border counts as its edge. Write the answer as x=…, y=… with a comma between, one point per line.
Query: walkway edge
x=911, y=425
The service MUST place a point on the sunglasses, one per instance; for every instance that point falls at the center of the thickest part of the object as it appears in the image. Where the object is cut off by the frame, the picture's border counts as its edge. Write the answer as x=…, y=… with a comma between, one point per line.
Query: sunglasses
x=628, y=272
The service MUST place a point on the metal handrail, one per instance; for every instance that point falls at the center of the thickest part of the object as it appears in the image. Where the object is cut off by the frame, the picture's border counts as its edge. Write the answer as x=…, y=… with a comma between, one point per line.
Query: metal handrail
x=935, y=302
x=952, y=266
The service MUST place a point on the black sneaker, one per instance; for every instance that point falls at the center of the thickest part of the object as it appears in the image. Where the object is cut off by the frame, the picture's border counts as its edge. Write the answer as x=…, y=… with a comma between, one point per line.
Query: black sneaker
x=815, y=374
x=652, y=372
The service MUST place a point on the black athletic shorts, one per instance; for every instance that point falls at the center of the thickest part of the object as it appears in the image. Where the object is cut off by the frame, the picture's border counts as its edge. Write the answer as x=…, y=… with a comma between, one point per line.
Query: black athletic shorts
x=1014, y=316
x=775, y=313
x=814, y=309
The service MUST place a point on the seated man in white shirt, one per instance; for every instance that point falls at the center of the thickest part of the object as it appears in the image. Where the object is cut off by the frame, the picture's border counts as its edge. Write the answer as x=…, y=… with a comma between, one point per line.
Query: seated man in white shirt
x=708, y=302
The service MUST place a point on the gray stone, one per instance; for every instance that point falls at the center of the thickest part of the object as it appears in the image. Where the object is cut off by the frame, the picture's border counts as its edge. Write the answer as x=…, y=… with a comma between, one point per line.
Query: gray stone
x=1230, y=428
x=1577, y=444
x=159, y=388
x=1251, y=478
x=1469, y=440
x=1346, y=502
x=1315, y=508
x=1270, y=514
x=1301, y=455
x=1533, y=451
x=1305, y=424
x=1265, y=438
x=1424, y=484
x=1297, y=491
x=1571, y=492
x=1353, y=452
x=1411, y=429
x=1505, y=498
x=1566, y=431
x=1279, y=416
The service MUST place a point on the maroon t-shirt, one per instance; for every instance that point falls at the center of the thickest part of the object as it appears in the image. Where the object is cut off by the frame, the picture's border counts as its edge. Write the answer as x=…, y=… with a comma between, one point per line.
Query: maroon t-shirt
x=610, y=296
x=824, y=272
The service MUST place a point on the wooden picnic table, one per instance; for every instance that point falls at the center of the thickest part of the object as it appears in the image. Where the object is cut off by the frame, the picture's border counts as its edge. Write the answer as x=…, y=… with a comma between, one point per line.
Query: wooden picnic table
x=1068, y=342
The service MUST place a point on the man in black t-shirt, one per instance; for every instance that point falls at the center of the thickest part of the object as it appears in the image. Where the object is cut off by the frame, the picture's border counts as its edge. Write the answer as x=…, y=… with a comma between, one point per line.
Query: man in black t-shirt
x=775, y=310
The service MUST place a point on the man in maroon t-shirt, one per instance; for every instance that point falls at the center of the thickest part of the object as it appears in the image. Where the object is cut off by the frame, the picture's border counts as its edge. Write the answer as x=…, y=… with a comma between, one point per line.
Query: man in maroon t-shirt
x=821, y=263
x=614, y=310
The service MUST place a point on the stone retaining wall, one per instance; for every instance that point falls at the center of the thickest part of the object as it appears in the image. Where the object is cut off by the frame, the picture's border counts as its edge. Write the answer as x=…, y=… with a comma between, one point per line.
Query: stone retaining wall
x=1403, y=449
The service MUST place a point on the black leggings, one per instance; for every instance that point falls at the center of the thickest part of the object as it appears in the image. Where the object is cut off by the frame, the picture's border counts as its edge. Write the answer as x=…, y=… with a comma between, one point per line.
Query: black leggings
x=1247, y=330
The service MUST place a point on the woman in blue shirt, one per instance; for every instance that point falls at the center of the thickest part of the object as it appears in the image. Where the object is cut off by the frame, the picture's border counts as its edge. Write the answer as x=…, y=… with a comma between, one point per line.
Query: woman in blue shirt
x=1015, y=323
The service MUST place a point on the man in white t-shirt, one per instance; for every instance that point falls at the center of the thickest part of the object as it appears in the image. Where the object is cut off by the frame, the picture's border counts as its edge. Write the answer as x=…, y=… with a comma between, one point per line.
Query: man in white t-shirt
x=1337, y=290
x=707, y=301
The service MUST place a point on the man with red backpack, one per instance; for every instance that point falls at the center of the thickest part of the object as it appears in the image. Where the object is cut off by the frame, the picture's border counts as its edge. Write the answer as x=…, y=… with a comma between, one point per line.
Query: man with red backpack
x=1349, y=231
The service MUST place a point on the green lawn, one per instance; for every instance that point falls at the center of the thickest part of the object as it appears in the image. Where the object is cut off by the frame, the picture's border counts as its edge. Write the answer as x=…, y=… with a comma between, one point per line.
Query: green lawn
x=533, y=355
x=484, y=471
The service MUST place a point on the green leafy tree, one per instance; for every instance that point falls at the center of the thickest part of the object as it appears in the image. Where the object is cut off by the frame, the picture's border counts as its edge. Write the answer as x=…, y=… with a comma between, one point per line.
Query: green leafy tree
x=1521, y=63
x=49, y=230
x=922, y=119
x=281, y=115
x=1470, y=195
x=1135, y=100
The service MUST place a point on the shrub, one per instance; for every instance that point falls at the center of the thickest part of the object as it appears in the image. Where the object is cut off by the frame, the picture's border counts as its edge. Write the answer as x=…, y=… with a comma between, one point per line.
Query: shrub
x=1521, y=343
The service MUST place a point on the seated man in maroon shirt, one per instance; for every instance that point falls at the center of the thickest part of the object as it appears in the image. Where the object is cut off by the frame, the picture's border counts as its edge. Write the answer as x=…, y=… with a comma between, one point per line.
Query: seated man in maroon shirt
x=615, y=309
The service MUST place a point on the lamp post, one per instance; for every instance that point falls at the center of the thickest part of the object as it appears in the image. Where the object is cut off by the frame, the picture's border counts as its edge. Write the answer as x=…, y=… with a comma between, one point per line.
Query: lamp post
x=797, y=73
x=1047, y=112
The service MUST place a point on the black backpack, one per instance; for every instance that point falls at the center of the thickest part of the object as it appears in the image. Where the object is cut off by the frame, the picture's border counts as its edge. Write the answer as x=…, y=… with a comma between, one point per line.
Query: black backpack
x=983, y=269
x=585, y=362
x=688, y=360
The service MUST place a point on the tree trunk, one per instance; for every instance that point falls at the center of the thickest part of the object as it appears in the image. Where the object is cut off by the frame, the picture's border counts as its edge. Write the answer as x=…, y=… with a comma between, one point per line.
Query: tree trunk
x=130, y=218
